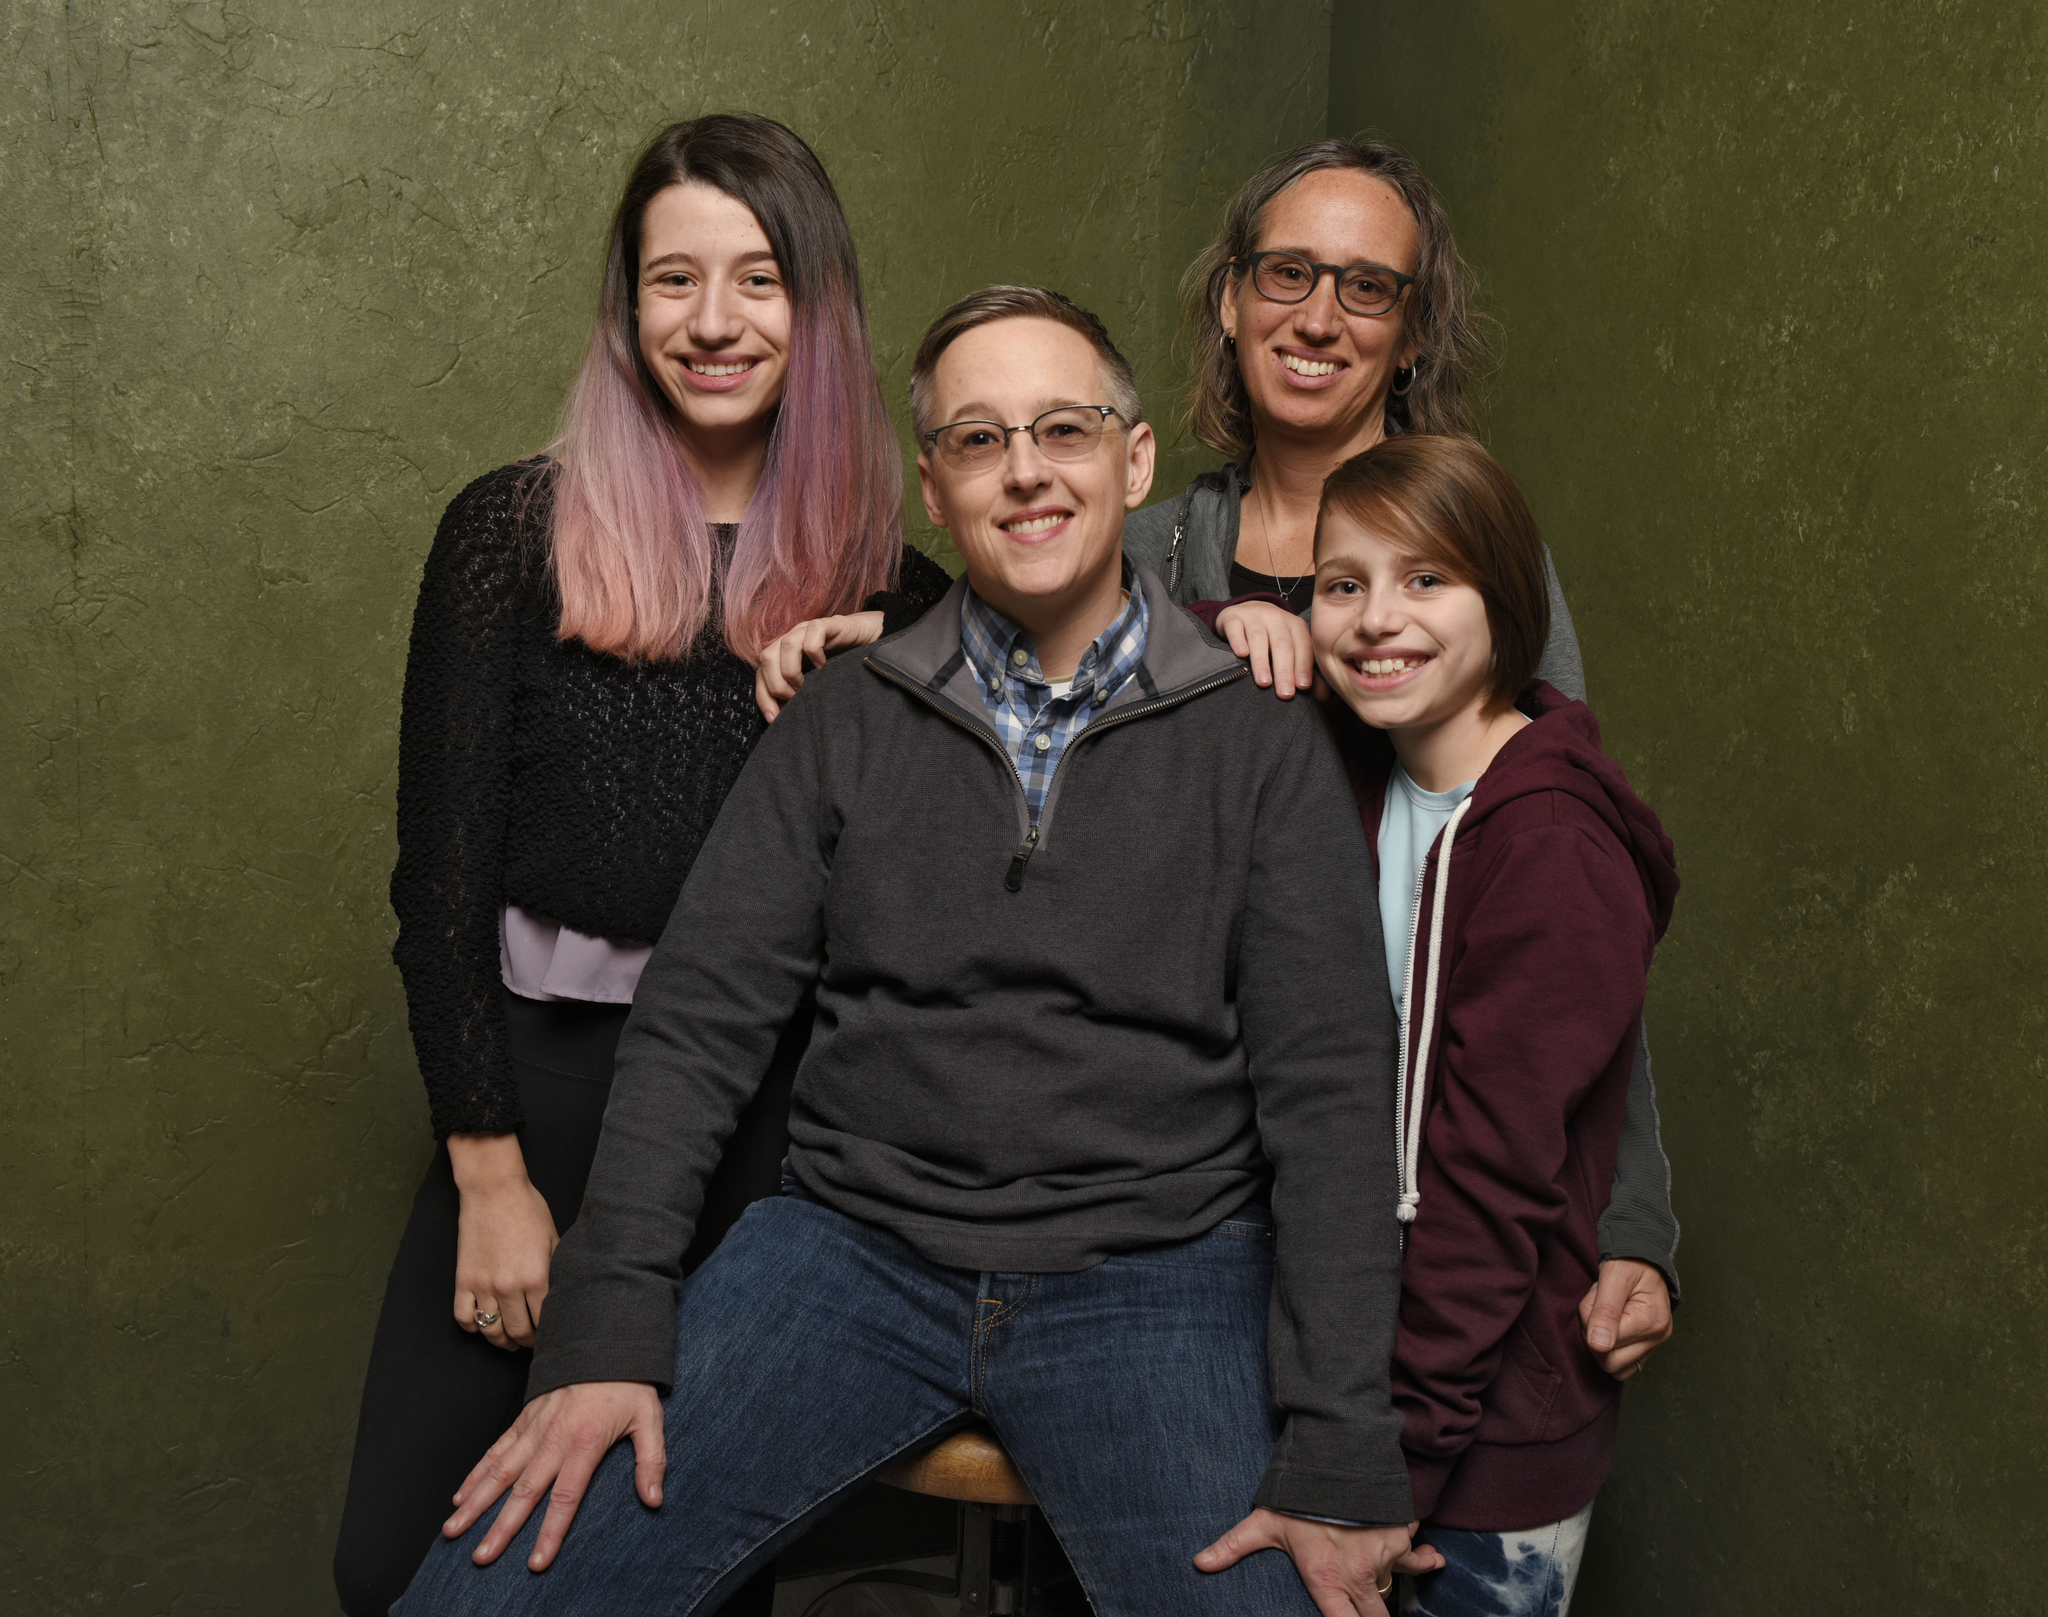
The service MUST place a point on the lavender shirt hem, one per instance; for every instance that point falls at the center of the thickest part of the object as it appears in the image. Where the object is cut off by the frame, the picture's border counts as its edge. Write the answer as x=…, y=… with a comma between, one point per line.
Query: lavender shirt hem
x=539, y=960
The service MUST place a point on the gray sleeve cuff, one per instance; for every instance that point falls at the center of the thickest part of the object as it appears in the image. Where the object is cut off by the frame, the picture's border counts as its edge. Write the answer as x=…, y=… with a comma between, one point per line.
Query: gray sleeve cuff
x=1349, y=1498
x=1639, y=1222
x=616, y=1360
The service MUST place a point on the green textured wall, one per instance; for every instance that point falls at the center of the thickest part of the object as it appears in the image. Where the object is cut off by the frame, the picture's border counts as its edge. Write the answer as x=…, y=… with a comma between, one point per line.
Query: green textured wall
x=278, y=279
x=1777, y=325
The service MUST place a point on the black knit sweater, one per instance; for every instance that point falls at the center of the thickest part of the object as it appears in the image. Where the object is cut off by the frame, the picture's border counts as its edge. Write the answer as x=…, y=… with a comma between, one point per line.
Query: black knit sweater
x=544, y=774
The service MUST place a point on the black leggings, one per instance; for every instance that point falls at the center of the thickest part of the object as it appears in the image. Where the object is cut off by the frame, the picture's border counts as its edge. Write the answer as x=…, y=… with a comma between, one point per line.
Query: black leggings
x=437, y=1396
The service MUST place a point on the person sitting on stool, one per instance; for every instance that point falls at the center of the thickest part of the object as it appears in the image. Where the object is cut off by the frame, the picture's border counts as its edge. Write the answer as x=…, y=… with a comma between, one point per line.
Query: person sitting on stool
x=1092, y=1140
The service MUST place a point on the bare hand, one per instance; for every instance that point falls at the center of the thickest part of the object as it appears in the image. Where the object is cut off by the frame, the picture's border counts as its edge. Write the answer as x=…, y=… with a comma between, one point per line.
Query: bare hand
x=1346, y=1570
x=1627, y=1315
x=1276, y=643
x=779, y=674
x=505, y=1240
x=550, y=1453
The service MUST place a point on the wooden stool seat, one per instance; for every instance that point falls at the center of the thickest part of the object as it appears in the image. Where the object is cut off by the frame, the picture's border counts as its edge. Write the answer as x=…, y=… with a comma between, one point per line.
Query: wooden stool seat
x=969, y=1466
x=1008, y=1563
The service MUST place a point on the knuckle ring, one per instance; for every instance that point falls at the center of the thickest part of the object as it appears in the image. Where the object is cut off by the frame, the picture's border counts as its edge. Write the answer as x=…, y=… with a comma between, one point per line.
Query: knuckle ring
x=485, y=1320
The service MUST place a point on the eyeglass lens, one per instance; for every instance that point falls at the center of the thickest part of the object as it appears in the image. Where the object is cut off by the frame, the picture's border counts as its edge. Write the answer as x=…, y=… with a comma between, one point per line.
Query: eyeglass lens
x=1067, y=434
x=1361, y=288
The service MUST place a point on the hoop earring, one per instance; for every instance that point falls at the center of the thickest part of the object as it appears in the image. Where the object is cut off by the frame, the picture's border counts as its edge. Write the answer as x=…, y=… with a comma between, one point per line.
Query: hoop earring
x=1404, y=379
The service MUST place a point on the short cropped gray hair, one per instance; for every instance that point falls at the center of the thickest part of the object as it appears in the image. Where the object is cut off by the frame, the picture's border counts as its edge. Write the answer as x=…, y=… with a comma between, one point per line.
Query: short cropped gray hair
x=993, y=303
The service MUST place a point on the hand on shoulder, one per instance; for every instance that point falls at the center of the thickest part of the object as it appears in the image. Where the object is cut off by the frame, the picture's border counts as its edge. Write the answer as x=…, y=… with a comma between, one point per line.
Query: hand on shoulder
x=779, y=675
x=1277, y=645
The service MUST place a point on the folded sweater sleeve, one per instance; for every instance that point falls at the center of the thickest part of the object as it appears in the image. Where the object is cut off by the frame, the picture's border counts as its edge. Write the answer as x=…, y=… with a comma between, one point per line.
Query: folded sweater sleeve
x=1319, y=1036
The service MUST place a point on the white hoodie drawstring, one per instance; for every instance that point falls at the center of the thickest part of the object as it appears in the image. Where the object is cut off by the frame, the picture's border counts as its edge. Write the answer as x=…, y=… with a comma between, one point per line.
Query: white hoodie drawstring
x=1411, y=1098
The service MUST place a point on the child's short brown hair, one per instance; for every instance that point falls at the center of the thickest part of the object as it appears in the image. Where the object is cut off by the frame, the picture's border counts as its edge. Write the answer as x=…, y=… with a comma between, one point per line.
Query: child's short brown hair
x=1453, y=505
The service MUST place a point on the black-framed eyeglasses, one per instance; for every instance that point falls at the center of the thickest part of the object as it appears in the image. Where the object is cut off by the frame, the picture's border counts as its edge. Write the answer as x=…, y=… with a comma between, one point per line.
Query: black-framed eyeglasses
x=1068, y=433
x=1361, y=288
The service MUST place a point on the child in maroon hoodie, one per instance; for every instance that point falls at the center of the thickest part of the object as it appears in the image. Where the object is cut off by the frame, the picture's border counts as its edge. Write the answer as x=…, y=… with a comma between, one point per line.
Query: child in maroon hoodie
x=1523, y=888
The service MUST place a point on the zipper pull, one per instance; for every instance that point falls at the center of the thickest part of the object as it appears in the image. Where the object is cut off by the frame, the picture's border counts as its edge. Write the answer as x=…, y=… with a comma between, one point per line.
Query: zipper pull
x=1015, y=880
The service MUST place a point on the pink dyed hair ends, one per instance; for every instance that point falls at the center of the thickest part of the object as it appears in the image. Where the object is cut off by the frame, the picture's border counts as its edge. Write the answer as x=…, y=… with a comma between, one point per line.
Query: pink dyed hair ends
x=634, y=558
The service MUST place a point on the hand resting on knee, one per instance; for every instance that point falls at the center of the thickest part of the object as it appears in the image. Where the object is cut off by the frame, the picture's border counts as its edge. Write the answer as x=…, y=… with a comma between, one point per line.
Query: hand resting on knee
x=550, y=1453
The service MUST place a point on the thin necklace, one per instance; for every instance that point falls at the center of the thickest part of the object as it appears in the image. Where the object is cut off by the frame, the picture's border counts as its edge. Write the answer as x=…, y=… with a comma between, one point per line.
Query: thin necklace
x=1266, y=533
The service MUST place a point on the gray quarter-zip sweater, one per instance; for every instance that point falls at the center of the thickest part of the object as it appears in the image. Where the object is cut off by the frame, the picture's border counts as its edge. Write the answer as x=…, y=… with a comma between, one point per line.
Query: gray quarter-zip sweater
x=1031, y=1061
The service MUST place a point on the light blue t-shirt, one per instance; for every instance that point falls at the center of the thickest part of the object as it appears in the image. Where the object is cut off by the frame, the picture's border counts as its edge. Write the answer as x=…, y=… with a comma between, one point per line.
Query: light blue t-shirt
x=1409, y=823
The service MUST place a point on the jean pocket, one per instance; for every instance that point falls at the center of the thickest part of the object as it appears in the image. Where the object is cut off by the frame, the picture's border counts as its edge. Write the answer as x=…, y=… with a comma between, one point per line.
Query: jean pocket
x=1251, y=1222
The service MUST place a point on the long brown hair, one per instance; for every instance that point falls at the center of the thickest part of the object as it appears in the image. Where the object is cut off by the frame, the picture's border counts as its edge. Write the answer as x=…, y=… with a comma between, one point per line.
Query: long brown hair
x=1450, y=337
x=1454, y=506
x=635, y=562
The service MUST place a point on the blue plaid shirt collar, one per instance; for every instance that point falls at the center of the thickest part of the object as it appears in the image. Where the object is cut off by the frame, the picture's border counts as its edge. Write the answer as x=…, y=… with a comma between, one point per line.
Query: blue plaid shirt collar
x=1034, y=725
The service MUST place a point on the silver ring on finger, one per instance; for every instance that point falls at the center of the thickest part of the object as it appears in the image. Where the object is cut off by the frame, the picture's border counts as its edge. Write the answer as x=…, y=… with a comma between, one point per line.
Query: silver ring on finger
x=485, y=1321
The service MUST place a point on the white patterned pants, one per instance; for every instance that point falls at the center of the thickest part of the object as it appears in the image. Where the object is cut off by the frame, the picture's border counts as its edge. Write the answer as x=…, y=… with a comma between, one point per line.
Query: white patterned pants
x=1523, y=1574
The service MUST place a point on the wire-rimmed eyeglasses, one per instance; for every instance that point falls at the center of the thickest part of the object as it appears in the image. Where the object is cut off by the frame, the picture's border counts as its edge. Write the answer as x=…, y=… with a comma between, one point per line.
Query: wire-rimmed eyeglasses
x=1068, y=433
x=1361, y=288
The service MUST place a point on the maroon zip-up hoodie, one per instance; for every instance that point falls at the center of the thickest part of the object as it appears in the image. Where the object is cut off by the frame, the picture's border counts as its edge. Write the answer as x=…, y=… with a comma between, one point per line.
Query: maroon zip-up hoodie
x=1561, y=883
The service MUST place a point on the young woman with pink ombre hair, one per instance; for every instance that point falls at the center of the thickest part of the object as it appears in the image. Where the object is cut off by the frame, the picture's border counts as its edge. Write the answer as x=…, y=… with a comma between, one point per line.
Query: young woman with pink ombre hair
x=578, y=700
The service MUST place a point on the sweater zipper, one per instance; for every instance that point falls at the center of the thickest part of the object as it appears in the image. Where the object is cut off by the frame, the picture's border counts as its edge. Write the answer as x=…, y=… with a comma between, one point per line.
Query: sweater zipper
x=1013, y=878
x=1014, y=881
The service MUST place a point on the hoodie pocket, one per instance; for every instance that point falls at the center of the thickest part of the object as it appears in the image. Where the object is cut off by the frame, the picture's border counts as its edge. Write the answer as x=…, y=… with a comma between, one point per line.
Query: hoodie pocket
x=1519, y=1405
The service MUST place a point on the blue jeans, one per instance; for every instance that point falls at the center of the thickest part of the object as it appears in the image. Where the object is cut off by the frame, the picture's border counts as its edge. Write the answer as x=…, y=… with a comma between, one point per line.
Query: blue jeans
x=813, y=1349
x=1525, y=1574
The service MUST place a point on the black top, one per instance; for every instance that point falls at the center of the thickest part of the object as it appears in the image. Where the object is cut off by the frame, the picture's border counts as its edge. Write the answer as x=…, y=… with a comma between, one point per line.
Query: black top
x=544, y=774
x=1298, y=593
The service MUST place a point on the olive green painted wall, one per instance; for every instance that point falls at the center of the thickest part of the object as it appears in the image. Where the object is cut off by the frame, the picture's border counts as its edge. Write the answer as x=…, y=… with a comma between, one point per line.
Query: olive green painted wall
x=279, y=278
x=1777, y=326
